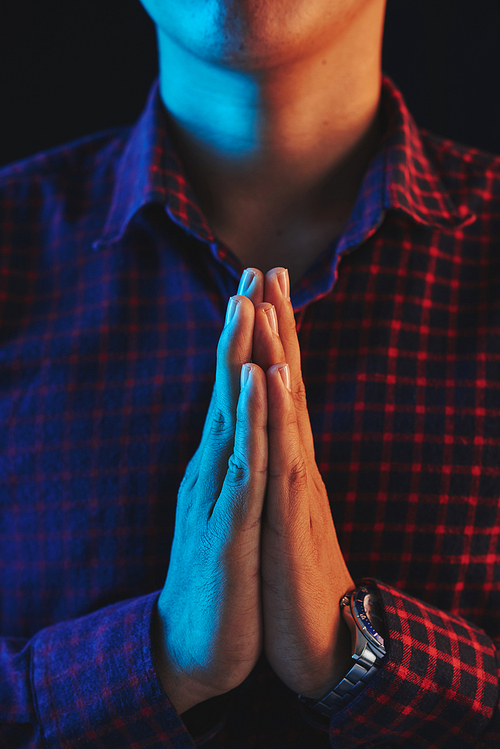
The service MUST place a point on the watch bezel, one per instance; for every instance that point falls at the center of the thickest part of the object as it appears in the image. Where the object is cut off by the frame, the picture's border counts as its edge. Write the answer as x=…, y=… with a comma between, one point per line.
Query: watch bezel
x=361, y=617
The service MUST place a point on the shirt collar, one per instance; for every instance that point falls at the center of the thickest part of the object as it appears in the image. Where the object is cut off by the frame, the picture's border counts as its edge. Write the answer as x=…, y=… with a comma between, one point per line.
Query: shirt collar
x=412, y=182
x=150, y=171
x=400, y=177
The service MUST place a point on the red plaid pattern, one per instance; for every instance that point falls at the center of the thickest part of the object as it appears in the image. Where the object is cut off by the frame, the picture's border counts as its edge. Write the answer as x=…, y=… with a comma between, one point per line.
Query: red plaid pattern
x=112, y=298
x=439, y=687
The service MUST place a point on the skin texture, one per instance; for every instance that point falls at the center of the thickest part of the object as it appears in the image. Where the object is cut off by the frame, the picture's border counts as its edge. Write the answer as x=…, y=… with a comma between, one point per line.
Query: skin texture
x=274, y=108
x=255, y=561
x=210, y=622
x=303, y=571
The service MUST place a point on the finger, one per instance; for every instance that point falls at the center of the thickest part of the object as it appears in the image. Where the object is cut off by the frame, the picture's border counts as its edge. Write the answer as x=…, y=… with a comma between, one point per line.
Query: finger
x=252, y=285
x=287, y=467
x=242, y=496
x=234, y=350
x=192, y=470
x=267, y=346
x=277, y=293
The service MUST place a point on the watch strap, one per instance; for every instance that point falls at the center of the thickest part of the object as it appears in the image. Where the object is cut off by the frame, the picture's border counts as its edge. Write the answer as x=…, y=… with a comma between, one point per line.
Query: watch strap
x=367, y=664
x=351, y=685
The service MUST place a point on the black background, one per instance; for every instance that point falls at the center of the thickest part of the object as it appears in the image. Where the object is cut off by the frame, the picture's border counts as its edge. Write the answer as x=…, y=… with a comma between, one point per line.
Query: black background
x=71, y=68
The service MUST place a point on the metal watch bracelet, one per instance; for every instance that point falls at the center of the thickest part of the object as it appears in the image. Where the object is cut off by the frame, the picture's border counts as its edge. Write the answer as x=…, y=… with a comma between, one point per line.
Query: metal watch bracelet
x=366, y=667
x=369, y=652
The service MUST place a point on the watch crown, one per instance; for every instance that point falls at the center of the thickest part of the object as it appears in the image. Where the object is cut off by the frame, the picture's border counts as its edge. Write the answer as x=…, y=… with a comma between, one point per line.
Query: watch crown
x=344, y=601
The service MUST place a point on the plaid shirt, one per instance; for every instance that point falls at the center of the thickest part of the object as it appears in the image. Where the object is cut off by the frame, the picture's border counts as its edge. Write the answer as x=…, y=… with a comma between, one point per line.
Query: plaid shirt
x=112, y=297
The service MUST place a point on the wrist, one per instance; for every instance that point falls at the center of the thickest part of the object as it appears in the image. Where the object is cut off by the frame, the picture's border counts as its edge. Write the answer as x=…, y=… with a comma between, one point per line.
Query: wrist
x=181, y=691
x=364, y=617
x=341, y=663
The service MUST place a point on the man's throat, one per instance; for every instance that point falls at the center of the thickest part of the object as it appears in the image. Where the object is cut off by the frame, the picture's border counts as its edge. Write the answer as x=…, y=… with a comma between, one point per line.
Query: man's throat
x=284, y=246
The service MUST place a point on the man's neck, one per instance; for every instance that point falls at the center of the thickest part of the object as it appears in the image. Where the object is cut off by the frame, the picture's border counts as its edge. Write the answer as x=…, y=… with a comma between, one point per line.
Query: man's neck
x=285, y=145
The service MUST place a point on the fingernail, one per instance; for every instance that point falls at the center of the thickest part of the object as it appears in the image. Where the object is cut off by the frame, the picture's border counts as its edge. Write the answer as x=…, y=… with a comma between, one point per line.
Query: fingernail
x=285, y=376
x=231, y=309
x=246, y=281
x=272, y=319
x=245, y=374
x=284, y=282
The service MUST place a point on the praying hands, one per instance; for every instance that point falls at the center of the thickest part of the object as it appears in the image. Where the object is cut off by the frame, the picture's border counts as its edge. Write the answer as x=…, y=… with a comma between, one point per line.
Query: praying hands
x=255, y=562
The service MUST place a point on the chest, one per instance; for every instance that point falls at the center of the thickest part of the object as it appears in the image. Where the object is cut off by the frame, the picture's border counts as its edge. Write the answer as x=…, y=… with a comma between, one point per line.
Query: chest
x=103, y=405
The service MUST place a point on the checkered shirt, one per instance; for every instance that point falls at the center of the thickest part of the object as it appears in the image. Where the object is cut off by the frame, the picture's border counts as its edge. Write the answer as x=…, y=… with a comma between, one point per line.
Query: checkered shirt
x=113, y=291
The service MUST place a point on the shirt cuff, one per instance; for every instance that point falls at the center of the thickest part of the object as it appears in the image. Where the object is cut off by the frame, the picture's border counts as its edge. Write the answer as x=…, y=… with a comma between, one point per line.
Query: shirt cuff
x=438, y=682
x=95, y=683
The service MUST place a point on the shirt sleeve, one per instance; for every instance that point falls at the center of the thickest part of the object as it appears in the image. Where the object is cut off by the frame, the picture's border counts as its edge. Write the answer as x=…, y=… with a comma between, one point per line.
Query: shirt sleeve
x=438, y=686
x=89, y=682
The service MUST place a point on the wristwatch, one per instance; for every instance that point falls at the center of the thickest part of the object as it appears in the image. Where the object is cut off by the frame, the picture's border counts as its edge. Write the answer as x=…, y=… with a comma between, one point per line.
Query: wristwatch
x=363, y=614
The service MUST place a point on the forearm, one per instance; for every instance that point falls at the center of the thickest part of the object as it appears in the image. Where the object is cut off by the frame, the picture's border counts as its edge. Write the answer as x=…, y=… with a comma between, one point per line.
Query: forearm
x=80, y=681
x=182, y=692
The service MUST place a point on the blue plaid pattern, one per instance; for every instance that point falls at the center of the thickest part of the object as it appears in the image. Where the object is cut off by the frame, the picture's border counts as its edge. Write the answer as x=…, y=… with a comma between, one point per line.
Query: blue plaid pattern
x=113, y=291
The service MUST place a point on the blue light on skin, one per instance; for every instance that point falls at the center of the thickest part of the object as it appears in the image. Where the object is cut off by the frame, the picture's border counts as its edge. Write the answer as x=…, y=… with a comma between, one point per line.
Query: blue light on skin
x=267, y=77
x=273, y=107
x=233, y=99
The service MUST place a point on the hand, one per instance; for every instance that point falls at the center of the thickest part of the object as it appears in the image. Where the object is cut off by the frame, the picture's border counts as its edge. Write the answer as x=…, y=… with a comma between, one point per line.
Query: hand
x=208, y=632
x=303, y=571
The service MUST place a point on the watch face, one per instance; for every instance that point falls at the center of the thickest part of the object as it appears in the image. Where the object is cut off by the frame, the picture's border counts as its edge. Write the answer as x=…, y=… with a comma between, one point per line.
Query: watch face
x=369, y=612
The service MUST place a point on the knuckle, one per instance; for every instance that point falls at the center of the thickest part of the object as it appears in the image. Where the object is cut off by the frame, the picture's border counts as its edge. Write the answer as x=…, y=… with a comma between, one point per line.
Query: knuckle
x=293, y=473
x=299, y=392
x=190, y=478
x=244, y=468
x=290, y=420
x=237, y=469
x=297, y=473
x=222, y=424
x=187, y=486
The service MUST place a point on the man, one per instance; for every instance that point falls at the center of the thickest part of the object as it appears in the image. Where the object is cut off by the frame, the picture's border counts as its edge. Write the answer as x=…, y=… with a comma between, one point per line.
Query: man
x=139, y=614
